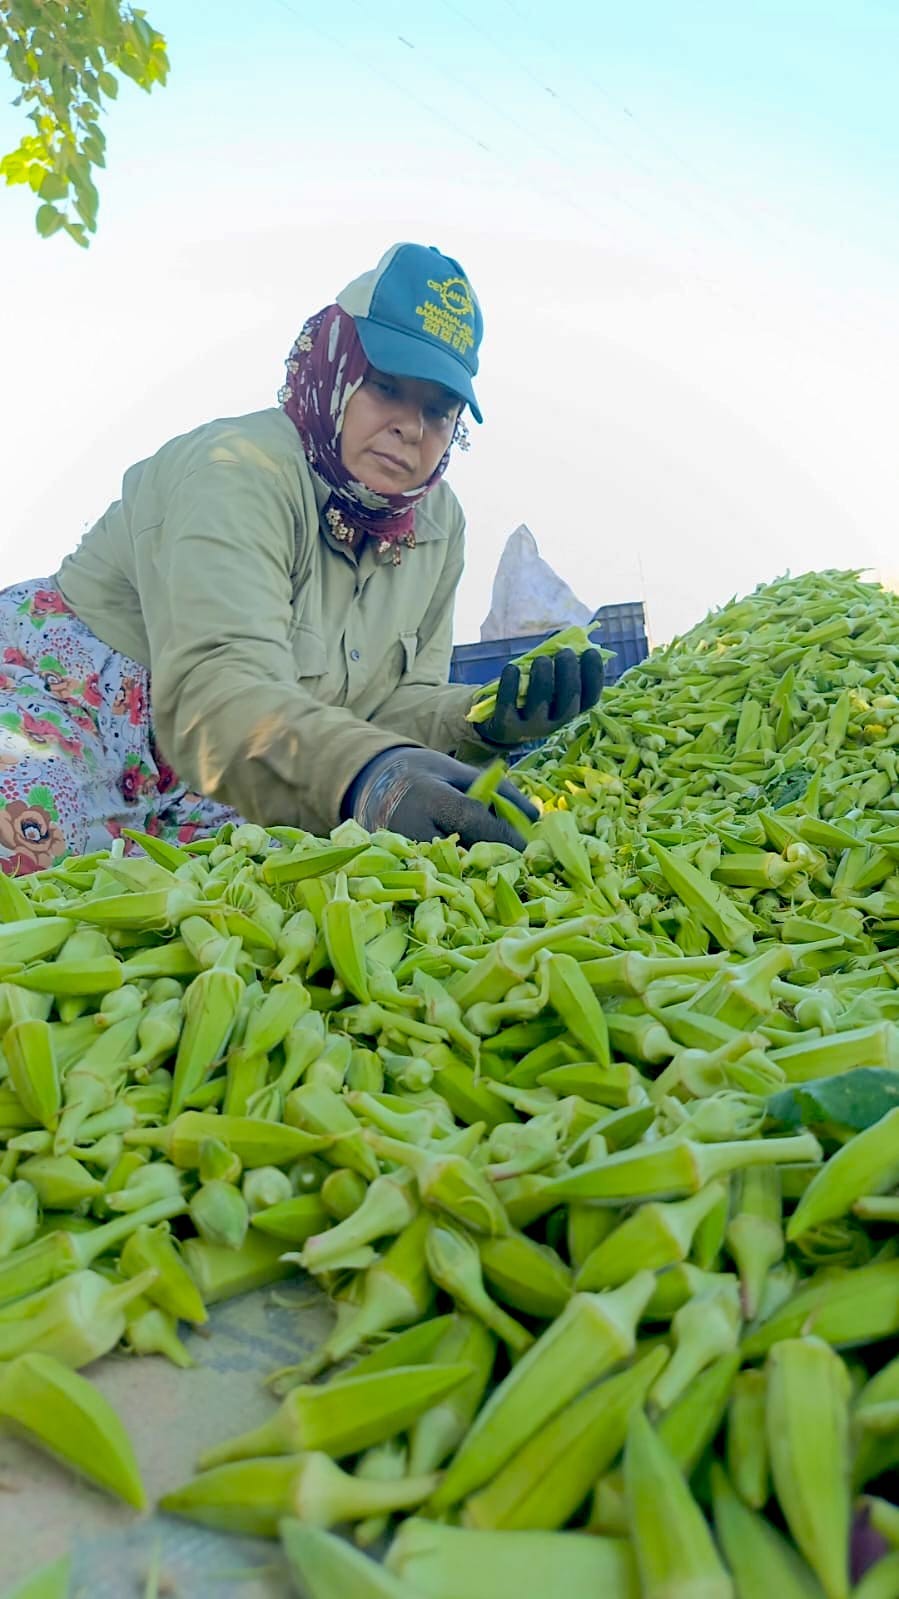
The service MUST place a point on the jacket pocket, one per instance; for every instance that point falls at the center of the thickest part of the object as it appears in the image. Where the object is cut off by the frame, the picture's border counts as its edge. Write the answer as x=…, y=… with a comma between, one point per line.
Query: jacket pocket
x=409, y=642
x=309, y=651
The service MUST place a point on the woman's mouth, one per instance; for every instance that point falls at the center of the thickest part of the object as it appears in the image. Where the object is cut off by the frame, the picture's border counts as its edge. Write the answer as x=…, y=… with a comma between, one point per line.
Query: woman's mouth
x=393, y=461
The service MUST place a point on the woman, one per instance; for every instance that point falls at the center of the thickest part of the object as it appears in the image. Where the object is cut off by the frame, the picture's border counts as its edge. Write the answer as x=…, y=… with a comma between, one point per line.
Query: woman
x=267, y=610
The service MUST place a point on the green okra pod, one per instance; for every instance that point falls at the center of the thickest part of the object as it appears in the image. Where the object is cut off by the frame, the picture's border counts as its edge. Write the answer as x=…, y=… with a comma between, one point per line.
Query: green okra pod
x=265, y=1187
x=220, y=1214
x=211, y=1003
x=75, y=1320
x=252, y=1496
x=747, y=1443
x=763, y=1560
x=755, y=1235
x=320, y=1112
x=33, y=938
x=291, y=1221
x=675, y=1165
x=67, y=1416
x=447, y=1182
x=60, y=1181
x=868, y=1164
x=654, y=1236
x=389, y=1205
x=414, y=1345
x=19, y=1217
x=221, y=1272
x=33, y=1069
x=150, y=1330
x=443, y=1561
x=687, y=1429
x=672, y=1540
x=396, y=1291
x=56, y=1254
x=454, y=1264
x=346, y=1415
x=438, y=1431
x=173, y=1289
x=593, y=1334
x=49, y=1582
x=254, y=1142
x=342, y=926
x=328, y=1566
x=542, y=1486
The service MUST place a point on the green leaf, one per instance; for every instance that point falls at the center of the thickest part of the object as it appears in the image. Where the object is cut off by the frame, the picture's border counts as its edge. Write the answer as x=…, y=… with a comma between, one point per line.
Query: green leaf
x=142, y=28
x=93, y=145
x=837, y=1106
x=67, y=57
x=17, y=57
x=87, y=199
x=14, y=167
x=79, y=169
x=106, y=18
x=48, y=220
x=76, y=231
x=53, y=187
x=131, y=68
x=87, y=210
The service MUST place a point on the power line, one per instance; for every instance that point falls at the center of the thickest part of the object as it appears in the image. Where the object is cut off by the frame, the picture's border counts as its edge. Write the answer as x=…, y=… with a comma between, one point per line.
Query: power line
x=551, y=190
x=480, y=143
x=593, y=128
x=756, y=218
x=346, y=49
x=520, y=127
x=562, y=155
x=611, y=189
x=566, y=105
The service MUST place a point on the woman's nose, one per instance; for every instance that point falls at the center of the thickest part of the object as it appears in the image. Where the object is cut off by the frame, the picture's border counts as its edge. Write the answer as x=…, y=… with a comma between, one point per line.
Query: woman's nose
x=409, y=424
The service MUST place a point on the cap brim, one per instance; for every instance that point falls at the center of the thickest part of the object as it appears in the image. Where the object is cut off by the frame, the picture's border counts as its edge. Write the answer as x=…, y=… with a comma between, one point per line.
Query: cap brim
x=409, y=357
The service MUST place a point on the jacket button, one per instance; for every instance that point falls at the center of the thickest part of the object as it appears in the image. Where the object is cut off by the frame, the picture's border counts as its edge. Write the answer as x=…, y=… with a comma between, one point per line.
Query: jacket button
x=354, y=655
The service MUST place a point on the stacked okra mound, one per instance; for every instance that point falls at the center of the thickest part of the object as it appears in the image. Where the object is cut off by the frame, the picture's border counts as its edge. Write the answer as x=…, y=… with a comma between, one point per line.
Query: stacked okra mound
x=595, y=1148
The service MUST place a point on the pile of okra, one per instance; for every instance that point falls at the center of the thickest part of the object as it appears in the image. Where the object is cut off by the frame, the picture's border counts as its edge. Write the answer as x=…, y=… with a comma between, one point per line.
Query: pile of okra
x=594, y=1148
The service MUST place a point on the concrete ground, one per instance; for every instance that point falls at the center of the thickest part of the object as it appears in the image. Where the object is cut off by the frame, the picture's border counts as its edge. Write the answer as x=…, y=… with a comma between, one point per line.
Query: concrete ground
x=171, y=1416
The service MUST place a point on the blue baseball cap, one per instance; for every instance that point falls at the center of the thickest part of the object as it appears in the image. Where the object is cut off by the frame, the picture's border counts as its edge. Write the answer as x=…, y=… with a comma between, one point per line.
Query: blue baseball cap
x=417, y=316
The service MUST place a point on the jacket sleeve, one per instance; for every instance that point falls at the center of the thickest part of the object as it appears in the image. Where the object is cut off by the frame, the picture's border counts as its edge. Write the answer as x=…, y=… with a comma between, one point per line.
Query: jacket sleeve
x=215, y=584
x=425, y=708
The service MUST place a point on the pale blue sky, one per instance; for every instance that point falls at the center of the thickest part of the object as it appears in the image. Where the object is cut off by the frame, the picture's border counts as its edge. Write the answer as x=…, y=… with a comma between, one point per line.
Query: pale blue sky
x=681, y=220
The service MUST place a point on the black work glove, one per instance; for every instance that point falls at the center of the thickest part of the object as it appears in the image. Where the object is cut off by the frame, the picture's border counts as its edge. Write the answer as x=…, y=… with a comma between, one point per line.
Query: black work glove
x=422, y=794
x=559, y=688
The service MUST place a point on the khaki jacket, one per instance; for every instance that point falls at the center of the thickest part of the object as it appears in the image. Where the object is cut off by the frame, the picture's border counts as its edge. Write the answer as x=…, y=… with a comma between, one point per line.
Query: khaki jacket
x=280, y=663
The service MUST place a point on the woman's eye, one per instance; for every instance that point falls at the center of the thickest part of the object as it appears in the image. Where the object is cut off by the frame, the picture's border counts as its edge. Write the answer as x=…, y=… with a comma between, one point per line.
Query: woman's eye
x=383, y=387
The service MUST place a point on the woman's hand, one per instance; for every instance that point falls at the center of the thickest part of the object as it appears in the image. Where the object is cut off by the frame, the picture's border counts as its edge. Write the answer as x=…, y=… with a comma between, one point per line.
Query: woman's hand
x=560, y=687
x=422, y=794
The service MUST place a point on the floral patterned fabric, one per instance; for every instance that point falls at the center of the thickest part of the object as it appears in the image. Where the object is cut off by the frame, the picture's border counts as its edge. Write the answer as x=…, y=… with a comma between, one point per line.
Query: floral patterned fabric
x=78, y=760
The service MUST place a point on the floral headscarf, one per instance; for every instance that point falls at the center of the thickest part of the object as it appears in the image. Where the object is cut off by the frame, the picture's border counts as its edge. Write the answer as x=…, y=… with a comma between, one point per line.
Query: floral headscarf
x=324, y=369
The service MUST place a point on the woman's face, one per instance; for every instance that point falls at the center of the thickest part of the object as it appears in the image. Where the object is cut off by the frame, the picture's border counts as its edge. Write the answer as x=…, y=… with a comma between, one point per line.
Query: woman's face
x=395, y=431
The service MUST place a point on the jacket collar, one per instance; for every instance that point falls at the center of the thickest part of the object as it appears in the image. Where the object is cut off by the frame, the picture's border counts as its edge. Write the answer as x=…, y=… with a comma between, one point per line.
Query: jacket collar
x=427, y=528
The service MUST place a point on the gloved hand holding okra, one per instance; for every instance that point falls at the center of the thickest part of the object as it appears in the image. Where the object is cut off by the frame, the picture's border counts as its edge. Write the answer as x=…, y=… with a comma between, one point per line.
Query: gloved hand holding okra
x=426, y=795
x=542, y=691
